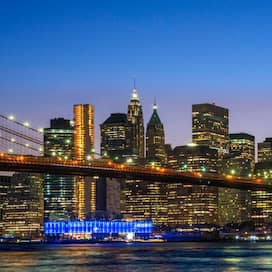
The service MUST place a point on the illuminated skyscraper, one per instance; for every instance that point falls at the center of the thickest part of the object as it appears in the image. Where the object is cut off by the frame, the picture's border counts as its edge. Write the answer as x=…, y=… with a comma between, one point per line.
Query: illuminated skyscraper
x=23, y=213
x=84, y=150
x=210, y=126
x=135, y=117
x=115, y=145
x=262, y=201
x=116, y=137
x=59, y=201
x=193, y=204
x=234, y=204
x=155, y=141
x=84, y=131
x=265, y=150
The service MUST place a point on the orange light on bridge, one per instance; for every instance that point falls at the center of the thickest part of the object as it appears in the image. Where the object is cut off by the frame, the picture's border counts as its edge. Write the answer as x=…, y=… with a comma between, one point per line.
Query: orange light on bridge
x=109, y=163
x=122, y=166
x=2, y=154
x=162, y=170
x=229, y=176
x=259, y=180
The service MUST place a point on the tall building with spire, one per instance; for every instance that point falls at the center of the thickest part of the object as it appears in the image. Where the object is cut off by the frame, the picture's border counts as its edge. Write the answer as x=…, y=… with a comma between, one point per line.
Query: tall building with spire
x=135, y=117
x=155, y=140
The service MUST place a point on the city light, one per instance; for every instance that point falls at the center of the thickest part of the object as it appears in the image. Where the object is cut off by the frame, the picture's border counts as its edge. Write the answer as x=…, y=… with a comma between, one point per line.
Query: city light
x=11, y=117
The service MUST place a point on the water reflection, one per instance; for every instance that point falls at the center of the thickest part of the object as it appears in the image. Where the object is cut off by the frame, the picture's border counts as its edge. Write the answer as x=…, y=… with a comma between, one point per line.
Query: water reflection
x=208, y=257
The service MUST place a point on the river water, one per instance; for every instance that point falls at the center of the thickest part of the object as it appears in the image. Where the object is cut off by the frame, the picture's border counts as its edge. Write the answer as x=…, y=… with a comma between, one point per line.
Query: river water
x=199, y=257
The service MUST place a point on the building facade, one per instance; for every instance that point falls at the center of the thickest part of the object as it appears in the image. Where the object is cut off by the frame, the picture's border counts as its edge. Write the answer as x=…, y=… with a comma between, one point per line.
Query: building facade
x=262, y=201
x=116, y=137
x=135, y=117
x=193, y=204
x=155, y=139
x=210, y=126
x=59, y=191
x=85, y=191
x=234, y=204
x=22, y=216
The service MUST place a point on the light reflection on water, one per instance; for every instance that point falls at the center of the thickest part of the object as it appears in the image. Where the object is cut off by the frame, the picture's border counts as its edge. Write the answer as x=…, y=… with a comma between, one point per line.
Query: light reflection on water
x=195, y=257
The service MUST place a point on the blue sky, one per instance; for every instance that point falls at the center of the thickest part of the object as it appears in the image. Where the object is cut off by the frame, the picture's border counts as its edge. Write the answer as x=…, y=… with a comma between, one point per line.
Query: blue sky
x=54, y=54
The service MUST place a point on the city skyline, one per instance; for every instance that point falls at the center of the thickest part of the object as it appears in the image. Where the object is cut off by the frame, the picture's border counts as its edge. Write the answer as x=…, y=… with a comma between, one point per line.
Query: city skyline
x=55, y=55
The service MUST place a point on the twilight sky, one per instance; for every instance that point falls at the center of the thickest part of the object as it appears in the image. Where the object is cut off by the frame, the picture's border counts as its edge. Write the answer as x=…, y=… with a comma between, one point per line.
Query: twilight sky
x=54, y=54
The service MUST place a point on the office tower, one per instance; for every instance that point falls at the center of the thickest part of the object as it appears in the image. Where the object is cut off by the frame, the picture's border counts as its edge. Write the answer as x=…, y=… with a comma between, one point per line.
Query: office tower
x=265, y=150
x=192, y=204
x=116, y=136
x=84, y=150
x=4, y=186
x=234, y=204
x=59, y=201
x=148, y=200
x=210, y=125
x=23, y=212
x=262, y=201
x=135, y=117
x=155, y=141
x=144, y=200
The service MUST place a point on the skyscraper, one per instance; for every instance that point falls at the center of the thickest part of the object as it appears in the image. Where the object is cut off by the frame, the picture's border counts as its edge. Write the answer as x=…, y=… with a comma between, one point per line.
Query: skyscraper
x=59, y=201
x=116, y=137
x=83, y=150
x=135, y=117
x=155, y=140
x=23, y=211
x=262, y=201
x=193, y=204
x=210, y=126
x=116, y=140
x=265, y=150
x=234, y=204
x=84, y=131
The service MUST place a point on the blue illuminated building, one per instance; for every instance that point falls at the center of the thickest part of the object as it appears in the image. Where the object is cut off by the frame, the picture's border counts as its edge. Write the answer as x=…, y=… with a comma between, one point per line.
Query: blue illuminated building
x=97, y=228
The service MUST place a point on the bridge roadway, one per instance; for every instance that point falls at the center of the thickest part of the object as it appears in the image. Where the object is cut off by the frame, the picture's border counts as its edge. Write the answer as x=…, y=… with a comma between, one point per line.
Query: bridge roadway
x=107, y=168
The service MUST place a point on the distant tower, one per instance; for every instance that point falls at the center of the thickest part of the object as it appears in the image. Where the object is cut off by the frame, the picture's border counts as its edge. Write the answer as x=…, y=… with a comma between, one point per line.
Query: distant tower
x=155, y=139
x=83, y=149
x=135, y=117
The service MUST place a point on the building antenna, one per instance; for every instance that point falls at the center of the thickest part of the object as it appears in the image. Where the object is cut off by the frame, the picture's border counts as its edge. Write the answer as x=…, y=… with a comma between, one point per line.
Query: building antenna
x=134, y=82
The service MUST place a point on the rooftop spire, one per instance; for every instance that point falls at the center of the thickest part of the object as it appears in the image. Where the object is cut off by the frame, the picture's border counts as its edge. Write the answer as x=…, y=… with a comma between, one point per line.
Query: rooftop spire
x=134, y=92
x=155, y=106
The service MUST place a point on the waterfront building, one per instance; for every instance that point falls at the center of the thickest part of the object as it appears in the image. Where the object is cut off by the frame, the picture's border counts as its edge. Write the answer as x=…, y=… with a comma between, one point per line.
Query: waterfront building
x=4, y=188
x=59, y=198
x=262, y=201
x=22, y=215
x=135, y=117
x=193, y=204
x=155, y=139
x=142, y=200
x=85, y=191
x=234, y=204
x=98, y=229
x=210, y=127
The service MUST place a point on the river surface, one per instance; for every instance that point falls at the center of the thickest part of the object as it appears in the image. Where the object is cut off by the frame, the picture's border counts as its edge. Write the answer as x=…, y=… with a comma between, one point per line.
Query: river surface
x=199, y=257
